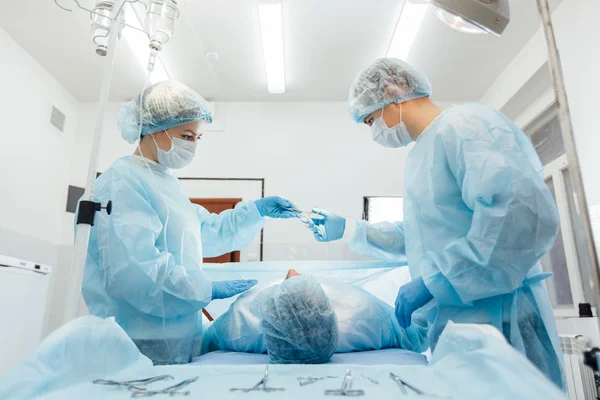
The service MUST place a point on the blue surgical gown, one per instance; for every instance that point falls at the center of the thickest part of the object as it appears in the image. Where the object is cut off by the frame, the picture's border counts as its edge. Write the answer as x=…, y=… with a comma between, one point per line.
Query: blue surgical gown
x=478, y=217
x=364, y=323
x=144, y=263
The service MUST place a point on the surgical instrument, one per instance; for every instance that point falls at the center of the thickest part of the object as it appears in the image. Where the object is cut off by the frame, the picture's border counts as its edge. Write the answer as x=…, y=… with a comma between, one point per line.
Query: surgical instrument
x=136, y=382
x=307, y=380
x=399, y=381
x=346, y=389
x=304, y=215
x=373, y=381
x=403, y=385
x=171, y=390
x=260, y=386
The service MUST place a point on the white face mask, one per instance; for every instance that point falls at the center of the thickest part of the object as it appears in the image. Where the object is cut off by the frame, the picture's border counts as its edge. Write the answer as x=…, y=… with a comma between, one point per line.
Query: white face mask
x=180, y=155
x=396, y=136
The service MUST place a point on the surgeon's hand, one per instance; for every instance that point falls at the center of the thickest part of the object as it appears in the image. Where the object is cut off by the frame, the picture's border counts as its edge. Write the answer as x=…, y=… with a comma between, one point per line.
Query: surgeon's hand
x=326, y=229
x=276, y=207
x=411, y=297
x=226, y=289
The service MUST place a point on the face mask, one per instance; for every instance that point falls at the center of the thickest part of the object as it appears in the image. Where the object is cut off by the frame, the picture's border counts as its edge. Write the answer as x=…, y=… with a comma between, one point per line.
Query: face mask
x=396, y=136
x=179, y=156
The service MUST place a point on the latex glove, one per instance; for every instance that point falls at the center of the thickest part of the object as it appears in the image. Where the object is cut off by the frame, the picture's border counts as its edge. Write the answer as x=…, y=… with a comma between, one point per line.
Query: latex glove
x=326, y=229
x=411, y=297
x=226, y=289
x=275, y=207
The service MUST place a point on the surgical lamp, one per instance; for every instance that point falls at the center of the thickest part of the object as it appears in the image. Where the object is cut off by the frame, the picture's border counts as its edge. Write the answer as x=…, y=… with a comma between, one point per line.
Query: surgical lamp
x=473, y=16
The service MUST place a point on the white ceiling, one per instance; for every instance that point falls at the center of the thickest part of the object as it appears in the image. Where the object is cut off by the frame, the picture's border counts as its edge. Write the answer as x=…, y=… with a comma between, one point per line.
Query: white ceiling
x=326, y=45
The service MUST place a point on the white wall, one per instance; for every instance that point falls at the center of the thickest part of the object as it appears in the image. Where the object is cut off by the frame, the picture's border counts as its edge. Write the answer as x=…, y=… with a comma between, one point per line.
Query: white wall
x=34, y=161
x=577, y=34
x=311, y=153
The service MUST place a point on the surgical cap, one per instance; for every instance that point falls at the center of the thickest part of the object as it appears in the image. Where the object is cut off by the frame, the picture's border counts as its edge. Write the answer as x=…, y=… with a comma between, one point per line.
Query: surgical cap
x=298, y=321
x=165, y=105
x=386, y=81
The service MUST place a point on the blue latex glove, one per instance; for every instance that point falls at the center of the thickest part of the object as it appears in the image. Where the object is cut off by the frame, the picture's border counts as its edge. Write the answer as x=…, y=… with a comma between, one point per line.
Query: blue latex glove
x=275, y=207
x=226, y=289
x=326, y=229
x=411, y=297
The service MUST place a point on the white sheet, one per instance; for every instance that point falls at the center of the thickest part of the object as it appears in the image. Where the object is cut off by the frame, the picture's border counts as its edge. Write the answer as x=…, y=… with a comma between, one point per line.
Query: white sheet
x=382, y=279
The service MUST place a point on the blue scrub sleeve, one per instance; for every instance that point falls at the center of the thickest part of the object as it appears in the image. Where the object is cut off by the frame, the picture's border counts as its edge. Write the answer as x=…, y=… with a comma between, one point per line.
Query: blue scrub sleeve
x=230, y=230
x=381, y=241
x=514, y=222
x=137, y=272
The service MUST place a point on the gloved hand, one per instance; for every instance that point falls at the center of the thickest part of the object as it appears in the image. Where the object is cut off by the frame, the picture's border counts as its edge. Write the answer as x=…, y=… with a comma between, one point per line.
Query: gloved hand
x=226, y=289
x=326, y=229
x=275, y=207
x=411, y=297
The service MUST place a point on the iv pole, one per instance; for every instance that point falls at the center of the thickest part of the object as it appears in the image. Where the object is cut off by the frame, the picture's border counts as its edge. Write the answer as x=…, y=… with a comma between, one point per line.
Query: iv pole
x=582, y=220
x=161, y=14
x=87, y=208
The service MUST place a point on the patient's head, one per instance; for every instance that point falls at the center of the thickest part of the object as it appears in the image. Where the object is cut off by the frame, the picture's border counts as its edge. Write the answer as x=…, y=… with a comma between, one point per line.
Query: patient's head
x=298, y=321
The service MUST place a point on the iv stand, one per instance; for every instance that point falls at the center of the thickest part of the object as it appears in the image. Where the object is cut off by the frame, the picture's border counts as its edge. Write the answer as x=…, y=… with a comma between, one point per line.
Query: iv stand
x=87, y=208
x=582, y=220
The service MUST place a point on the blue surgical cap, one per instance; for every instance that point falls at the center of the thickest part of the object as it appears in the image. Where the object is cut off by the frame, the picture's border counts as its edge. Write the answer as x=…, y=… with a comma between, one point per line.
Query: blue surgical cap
x=298, y=321
x=386, y=81
x=165, y=105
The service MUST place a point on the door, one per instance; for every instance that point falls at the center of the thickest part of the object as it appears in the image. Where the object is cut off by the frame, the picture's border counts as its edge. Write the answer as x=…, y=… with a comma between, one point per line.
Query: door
x=216, y=206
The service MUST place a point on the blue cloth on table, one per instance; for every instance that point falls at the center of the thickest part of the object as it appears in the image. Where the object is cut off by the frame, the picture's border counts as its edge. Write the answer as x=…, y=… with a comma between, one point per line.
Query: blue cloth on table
x=470, y=362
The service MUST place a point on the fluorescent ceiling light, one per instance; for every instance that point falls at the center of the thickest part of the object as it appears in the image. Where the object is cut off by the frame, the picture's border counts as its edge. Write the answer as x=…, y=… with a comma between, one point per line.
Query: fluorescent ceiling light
x=271, y=29
x=139, y=44
x=407, y=29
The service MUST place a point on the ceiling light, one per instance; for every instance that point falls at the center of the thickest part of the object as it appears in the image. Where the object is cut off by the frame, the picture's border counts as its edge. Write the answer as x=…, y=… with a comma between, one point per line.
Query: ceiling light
x=474, y=16
x=271, y=29
x=138, y=43
x=407, y=29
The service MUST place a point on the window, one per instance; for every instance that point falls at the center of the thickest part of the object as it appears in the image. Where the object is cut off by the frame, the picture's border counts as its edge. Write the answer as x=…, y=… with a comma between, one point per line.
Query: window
x=379, y=209
x=565, y=288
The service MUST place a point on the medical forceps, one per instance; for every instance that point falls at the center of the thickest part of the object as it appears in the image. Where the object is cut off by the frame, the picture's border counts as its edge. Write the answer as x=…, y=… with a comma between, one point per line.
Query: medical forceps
x=136, y=382
x=403, y=385
x=346, y=389
x=304, y=215
x=260, y=386
x=171, y=390
x=307, y=380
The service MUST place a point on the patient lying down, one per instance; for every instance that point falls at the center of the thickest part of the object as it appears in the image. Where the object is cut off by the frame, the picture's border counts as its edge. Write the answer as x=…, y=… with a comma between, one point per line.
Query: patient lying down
x=305, y=320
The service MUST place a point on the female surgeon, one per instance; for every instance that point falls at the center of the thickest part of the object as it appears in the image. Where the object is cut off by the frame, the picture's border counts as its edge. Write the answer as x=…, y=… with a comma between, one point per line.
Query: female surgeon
x=144, y=263
x=477, y=214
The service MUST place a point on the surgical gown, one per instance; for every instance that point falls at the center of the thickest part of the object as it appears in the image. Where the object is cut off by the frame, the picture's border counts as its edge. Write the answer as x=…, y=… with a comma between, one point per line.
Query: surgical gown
x=364, y=323
x=144, y=263
x=478, y=217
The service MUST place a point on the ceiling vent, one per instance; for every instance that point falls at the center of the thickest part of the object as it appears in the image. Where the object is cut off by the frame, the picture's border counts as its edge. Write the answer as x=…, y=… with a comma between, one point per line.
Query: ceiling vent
x=58, y=119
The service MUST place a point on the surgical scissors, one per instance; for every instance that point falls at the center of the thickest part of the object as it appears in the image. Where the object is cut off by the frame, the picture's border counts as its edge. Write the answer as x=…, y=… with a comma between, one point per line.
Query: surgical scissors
x=403, y=385
x=171, y=390
x=304, y=215
x=261, y=385
x=136, y=382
